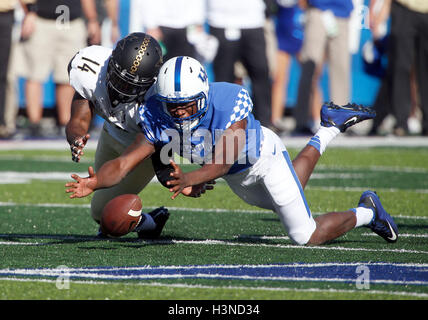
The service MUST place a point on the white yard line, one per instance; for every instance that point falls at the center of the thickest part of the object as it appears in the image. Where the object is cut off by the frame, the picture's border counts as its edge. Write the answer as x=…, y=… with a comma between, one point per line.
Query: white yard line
x=360, y=189
x=231, y=266
x=401, y=235
x=15, y=243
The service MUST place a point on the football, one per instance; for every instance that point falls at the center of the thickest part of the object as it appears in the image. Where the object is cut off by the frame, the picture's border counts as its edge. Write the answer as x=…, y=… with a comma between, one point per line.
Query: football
x=121, y=215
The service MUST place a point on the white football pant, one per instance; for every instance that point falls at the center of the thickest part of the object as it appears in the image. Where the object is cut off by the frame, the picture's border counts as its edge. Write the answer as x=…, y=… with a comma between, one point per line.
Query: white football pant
x=271, y=183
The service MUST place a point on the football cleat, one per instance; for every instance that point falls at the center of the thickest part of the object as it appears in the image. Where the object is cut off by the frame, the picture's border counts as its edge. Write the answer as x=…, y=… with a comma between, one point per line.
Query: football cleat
x=342, y=117
x=382, y=223
x=160, y=216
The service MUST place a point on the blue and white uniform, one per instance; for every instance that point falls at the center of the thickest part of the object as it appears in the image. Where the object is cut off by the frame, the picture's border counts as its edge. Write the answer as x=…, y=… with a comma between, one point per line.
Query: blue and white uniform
x=263, y=174
x=227, y=104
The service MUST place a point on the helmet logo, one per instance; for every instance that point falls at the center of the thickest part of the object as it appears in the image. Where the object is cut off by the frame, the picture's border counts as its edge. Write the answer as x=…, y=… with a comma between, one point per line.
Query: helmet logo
x=202, y=75
x=140, y=55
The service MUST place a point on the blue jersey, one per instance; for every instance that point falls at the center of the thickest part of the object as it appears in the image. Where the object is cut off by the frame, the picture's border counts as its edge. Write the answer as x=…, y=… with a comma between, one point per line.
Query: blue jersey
x=227, y=103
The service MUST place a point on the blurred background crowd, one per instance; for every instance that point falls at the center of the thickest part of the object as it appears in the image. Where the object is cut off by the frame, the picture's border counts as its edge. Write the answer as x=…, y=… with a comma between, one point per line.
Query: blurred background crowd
x=292, y=55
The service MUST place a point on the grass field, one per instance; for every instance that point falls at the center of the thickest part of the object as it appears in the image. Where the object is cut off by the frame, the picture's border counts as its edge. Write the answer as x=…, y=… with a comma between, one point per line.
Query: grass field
x=215, y=247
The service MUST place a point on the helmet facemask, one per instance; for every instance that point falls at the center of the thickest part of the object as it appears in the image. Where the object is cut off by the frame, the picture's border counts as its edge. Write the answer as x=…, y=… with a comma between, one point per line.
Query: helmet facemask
x=122, y=87
x=132, y=68
x=182, y=80
x=190, y=122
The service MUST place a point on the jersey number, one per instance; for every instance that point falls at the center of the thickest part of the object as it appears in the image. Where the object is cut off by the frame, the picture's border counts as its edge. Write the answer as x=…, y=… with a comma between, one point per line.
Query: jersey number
x=86, y=67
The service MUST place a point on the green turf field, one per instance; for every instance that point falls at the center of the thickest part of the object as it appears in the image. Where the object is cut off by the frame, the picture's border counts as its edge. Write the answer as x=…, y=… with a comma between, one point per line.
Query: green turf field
x=214, y=247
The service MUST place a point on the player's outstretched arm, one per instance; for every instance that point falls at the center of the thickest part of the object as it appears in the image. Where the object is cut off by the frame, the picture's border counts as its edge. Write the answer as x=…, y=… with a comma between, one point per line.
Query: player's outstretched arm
x=78, y=126
x=198, y=190
x=163, y=171
x=113, y=171
x=83, y=186
x=225, y=154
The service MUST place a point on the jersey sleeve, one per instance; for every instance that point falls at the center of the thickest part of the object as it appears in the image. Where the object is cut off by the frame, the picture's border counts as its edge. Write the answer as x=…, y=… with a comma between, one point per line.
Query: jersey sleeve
x=144, y=123
x=242, y=108
x=85, y=69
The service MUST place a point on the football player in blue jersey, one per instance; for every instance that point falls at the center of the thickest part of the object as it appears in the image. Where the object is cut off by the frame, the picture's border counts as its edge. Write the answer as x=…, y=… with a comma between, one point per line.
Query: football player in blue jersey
x=212, y=124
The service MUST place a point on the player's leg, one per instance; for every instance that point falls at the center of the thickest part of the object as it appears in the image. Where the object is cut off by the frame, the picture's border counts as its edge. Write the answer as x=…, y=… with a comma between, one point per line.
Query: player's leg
x=271, y=183
x=331, y=226
x=283, y=192
x=369, y=213
x=304, y=229
x=294, y=213
x=334, y=119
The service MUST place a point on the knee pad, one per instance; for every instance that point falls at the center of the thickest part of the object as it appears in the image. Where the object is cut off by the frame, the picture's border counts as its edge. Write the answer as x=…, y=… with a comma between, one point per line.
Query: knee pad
x=300, y=238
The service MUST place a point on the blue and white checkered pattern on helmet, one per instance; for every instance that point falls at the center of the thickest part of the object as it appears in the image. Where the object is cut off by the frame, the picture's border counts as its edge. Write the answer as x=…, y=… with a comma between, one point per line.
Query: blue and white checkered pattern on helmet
x=242, y=108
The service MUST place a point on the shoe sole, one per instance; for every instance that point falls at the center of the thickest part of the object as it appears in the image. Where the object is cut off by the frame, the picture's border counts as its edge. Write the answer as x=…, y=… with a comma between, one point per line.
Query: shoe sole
x=367, y=112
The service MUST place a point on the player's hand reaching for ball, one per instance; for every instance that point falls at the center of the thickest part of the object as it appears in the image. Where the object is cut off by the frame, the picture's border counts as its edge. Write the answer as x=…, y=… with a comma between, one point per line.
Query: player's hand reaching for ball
x=199, y=189
x=83, y=186
x=179, y=182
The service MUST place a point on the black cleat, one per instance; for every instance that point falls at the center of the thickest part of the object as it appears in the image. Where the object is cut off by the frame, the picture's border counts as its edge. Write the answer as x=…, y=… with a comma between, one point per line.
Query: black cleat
x=160, y=217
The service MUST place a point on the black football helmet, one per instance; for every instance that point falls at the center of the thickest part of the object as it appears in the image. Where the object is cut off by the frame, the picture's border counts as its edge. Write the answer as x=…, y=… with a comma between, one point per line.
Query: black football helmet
x=133, y=67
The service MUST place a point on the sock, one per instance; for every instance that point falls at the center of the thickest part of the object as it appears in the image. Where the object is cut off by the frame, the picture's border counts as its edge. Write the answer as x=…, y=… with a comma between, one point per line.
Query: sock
x=323, y=137
x=364, y=216
x=146, y=223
